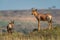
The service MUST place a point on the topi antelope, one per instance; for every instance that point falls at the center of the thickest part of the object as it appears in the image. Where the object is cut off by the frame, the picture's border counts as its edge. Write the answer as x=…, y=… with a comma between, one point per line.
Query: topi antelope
x=10, y=27
x=42, y=17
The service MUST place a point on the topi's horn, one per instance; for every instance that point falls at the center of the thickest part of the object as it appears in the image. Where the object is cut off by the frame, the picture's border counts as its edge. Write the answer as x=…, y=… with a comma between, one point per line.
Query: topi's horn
x=33, y=8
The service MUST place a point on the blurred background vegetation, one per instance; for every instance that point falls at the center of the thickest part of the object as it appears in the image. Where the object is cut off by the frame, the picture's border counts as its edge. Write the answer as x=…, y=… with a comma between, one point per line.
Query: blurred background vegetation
x=25, y=24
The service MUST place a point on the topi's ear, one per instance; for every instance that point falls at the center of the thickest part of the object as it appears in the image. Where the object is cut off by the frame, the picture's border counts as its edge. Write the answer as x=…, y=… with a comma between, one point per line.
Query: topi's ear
x=35, y=9
x=32, y=8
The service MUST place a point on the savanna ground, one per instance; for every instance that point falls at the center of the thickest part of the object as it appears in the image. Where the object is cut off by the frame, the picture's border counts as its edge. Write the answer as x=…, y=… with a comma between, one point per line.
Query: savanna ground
x=26, y=25
x=23, y=30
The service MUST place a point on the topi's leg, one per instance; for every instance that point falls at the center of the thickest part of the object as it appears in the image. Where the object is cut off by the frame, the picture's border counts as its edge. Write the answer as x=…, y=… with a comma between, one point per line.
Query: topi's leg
x=38, y=25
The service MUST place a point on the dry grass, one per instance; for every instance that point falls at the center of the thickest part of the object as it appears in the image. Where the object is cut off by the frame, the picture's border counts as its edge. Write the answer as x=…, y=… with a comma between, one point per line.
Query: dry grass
x=42, y=35
x=34, y=35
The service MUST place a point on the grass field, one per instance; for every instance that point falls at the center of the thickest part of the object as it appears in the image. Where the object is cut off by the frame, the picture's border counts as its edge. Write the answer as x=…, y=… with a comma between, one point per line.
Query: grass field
x=25, y=23
x=24, y=31
x=42, y=35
